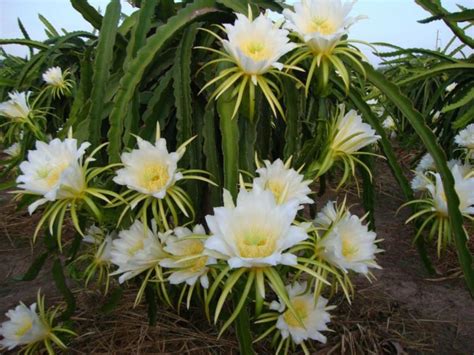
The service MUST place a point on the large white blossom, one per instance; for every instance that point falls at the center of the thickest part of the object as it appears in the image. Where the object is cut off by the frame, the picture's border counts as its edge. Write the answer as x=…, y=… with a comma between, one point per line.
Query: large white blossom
x=465, y=137
x=352, y=134
x=347, y=242
x=187, y=258
x=464, y=186
x=136, y=250
x=53, y=170
x=255, y=232
x=320, y=23
x=17, y=108
x=256, y=45
x=313, y=315
x=150, y=169
x=285, y=183
x=23, y=327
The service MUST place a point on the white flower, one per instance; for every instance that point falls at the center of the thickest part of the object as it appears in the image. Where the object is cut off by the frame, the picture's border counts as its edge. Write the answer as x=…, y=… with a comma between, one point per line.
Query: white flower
x=150, y=169
x=53, y=170
x=464, y=186
x=348, y=244
x=188, y=257
x=352, y=134
x=14, y=150
x=327, y=216
x=465, y=138
x=24, y=327
x=54, y=77
x=256, y=45
x=320, y=23
x=17, y=107
x=451, y=87
x=136, y=250
x=255, y=232
x=426, y=164
x=285, y=183
x=464, y=168
x=436, y=116
x=389, y=123
x=314, y=316
x=373, y=102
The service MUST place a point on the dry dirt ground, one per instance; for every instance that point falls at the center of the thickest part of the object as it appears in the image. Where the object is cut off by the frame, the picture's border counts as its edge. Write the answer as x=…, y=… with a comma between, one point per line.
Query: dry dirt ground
x=404, y=311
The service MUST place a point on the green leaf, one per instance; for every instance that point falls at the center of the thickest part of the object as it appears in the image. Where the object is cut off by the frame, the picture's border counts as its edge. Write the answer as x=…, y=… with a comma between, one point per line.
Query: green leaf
x=230, y=141
x=182, y=88
x=24, y=42
x=291, y=96
x=50, y=28
x=429, y=139
x=102, y=65
x=140, y=30
x=138, y=65
x=25, y=34
x=60, y=281
x=150, y=297
x=89, y=13
x=461, y=100
x=466, y=118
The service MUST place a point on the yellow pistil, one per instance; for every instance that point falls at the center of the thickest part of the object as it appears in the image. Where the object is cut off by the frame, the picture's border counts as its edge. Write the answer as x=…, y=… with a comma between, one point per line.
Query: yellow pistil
x=349, y=250
x=321, y=25
x=27, y=325
x=301, y=309
x=155, y=177
x=256, y=244
x=255, y=50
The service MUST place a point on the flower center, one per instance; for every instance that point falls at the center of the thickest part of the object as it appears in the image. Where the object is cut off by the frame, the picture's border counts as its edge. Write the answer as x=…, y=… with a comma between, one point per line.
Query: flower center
x=321, y=25
x=199, y=264
x=277, y=188
x=155, y=177
x=349, y=250
x=27, y=325
x=51, y=175
x=301, y=309
x=256, y=50
x=138, y=245
x=256, y=244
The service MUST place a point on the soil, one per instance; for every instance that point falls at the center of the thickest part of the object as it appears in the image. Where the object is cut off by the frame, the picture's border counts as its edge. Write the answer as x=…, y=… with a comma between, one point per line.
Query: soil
x=405, y=310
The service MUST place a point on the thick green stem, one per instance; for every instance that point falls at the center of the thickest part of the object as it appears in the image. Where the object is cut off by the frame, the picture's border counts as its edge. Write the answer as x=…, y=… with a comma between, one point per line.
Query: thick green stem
x=230, y=148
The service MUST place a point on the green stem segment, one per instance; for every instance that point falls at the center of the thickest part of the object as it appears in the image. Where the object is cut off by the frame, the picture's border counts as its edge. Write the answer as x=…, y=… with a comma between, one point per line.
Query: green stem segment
x=230, y=148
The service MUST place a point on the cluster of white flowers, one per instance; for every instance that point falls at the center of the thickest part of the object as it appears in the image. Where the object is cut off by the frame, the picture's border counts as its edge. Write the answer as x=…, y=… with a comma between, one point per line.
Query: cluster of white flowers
x=465, y=137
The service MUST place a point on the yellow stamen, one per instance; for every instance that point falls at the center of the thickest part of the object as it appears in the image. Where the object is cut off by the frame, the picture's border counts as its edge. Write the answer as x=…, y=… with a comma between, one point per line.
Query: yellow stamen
x=256, y=244
x=301, y=309
x=255, y=50
x=136, y=247
x=321, y=25
x=349, y=250
x=155, y=177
